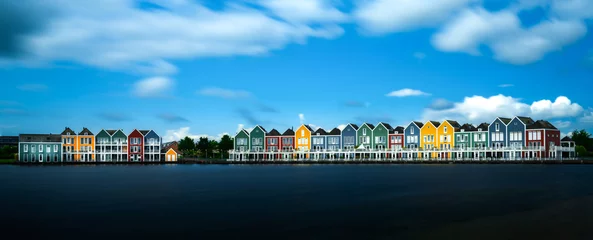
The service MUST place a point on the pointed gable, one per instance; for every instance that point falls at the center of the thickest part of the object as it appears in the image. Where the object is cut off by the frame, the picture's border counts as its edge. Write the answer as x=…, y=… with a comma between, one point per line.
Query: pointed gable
x=111, y=132
x=482, y=127
x=468, y=127
x=506, y=121
x=386, y=125
x=436, y=124
x=335, y=131
x=273, y=133
x=418, y=124
x=68, y=131
x=320, y=132
x=525, y=120
x=288, y=132
x=144, y=132
x=354, y=126
x=85, y=131
x=260, y=127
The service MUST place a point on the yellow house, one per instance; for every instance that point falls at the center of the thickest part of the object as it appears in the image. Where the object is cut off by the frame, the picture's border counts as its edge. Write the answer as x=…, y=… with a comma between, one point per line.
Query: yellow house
x=69, y=146
x=303, y=137
x=85, y=146
x=446, y=132
x=171, y=155
x=429, y=136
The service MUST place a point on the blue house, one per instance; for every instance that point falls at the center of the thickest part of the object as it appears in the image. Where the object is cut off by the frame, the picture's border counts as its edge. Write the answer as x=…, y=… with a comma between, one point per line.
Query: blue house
x=498, y=134
x=334, y=139
x=40, y=148
x=152, y=146
x=412, y=135
x=318, y=141
x=516, y=131
x=349, y=136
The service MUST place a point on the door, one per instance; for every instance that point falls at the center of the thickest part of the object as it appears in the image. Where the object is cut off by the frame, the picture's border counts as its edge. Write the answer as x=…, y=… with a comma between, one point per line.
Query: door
x=168, y=158
x=173, y=158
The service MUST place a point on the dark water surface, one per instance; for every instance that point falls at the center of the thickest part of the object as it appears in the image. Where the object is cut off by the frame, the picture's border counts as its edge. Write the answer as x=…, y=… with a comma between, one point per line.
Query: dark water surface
x=298, y=202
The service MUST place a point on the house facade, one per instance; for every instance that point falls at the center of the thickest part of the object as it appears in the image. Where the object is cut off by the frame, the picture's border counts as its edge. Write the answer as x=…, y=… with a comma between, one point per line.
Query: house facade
x=303, y=138
x=256, y=139
x=103, y=146
x=136, y=146
x=349, y=136
x=152, y=146
x=429, y=135
x=85, y=146
x=333, y=139
x=288, y=140
x=242, y=141
x=273, y=139
x=364, y=134
x=119, y=146
x=69, y=142
x=396, y=138
x=412, y=135
x=480, y=136
x=498, y=132
x=542, y=135
x=38, y=148
x=381, y=136
x=318, y=141
x=446, y=132
x=463, y=139
x=172, y=155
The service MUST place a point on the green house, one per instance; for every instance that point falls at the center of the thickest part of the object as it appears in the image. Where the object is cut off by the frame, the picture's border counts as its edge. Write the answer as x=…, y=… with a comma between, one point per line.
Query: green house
x=364, y=136
x=480, y=136
x=381, y=136
x=241, y=141
x=256, y=139
x=36, y=148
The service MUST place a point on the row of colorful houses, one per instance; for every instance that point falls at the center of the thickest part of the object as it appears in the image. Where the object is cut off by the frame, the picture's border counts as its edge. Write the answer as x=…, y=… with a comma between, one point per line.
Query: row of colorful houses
x=502, y=133
x=105, y=146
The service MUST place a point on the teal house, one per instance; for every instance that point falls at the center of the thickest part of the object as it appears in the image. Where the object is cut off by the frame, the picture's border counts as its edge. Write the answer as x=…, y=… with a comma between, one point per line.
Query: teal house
x=36, y=148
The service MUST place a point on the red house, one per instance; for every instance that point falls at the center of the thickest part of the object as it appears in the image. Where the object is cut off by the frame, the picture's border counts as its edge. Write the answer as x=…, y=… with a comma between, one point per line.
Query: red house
x=287, y=140
x=543, y=134
x=135, y=146
x=272, y=140
x=396, y=138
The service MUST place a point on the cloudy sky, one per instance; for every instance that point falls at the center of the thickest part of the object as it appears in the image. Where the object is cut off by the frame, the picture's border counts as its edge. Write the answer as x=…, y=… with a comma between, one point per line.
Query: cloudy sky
x=197, y=67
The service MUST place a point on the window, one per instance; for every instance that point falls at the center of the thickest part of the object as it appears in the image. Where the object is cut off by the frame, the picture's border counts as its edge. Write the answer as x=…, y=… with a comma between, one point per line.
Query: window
x=302, y=133
x=520, y=135
x=497, y=127
x=445, y=129
x=539, y=135
x=25, y=148
x=364, y=131
x=48, y=149
x=40, y=148
x=411, y=130
x=40, y=157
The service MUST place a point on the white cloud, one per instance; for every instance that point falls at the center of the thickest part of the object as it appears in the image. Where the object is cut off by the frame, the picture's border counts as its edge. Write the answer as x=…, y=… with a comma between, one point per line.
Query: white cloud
x=419, y=55
x=506, y=85
x=118, y=35
x=385, y=16
x=406, y=92
x=152, y=87
x=503, y=33
x=587, y=116
x=302, y=118
x=315, y=127
x=305, y=11
x=32, y=87
x=478, y=109
x=178, y=134
x=224, y=93
x=240, y=127
x=440, y=104
x=341, y=127
x=579, y=9
x=562, y=124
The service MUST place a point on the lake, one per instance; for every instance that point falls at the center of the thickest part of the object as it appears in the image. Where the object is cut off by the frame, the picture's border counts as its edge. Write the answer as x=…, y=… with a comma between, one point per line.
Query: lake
x=298, y=201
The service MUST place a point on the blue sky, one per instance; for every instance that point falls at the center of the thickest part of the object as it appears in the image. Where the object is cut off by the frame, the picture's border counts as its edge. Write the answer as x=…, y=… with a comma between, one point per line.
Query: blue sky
x=196, y=68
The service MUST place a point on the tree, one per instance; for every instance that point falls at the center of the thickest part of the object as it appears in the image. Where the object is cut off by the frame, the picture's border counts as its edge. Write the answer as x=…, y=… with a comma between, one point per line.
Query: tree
x=582, y=138
x=212, y=145
x=226, y=144
x=203, y=145
x=581, y=151
x=186, y=146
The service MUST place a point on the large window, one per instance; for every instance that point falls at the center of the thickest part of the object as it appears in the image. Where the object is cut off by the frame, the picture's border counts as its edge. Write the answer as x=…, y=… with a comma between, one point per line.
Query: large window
x=411, y=130
x=25, y=148
x=349, y=140
x=364, y=131
x=40, y=148
x=497, y=126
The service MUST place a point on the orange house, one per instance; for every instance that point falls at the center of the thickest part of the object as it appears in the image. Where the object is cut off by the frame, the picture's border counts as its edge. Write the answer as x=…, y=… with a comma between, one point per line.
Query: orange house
x=303, y=138
x=172, y=155
x=69, y=146
x=85, y=146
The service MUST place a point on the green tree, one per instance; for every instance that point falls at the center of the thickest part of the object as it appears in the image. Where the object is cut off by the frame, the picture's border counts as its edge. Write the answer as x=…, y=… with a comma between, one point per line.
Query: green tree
x=582, y=138
x=581, y=151
x=226, y=144
x=212, y=146
x=203, y=145
x=186, y=146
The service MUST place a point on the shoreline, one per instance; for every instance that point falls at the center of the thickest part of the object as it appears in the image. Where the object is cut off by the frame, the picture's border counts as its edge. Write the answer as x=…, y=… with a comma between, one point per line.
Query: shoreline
x=322, y=162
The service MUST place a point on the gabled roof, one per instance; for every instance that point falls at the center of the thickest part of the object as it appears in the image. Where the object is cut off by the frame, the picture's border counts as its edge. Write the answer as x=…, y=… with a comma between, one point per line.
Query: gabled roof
x=262, y=128
x=168, y=144
x=371, y=126
x=418, y=124
x=435, y=123
x=68, y=130
x=398, y=129
x=468, y=127
x=526, y=120
x=454, y=124
x=40, y=138
x=335, y=131
x=353, y=126
x=505, y=120
x=288, y=132
x=85, y=130
x=309, y=127
x=244, y=131
x=273, y=133
x=386, y=125
x=483, y=126
x=320, y=131
x=144, y=132
x=174, y=150
x=111, y=132
x=541, y=124
x=566, y=139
